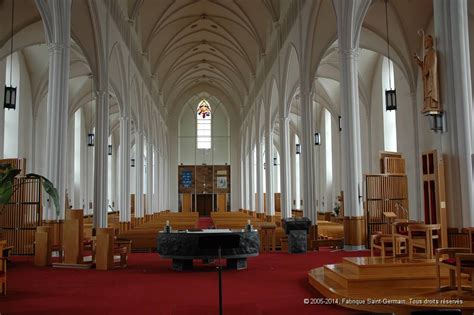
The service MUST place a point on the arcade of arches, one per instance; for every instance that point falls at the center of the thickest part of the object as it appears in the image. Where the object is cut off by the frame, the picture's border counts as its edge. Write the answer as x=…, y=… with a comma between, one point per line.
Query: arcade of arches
x=268, y=108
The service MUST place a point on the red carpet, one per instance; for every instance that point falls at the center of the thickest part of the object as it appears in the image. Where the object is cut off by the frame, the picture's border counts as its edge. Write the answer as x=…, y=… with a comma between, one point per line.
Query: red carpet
x=272, y=284
x=204, y=223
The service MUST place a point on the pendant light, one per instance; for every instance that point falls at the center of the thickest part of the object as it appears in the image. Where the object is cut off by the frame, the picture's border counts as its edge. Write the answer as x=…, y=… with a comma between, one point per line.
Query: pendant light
x=109, y=151
x=317, y=138
x=298, y=146
x=90, y=136
x=390, y=94
x=9, y=101
x=132, y=163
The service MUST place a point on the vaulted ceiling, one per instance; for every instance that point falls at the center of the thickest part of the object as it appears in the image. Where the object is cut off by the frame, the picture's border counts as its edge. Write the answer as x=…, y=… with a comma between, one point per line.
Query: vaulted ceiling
x=211, y=42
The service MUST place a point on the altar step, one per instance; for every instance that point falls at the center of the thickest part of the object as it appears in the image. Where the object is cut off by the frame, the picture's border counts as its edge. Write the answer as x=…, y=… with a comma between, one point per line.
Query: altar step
x=358, y=273
x=367, y=278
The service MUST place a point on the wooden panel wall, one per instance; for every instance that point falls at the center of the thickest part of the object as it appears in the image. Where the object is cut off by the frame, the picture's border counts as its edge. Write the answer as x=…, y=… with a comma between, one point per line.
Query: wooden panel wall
x=204, y=178
x=20, y=218
x=383, y=193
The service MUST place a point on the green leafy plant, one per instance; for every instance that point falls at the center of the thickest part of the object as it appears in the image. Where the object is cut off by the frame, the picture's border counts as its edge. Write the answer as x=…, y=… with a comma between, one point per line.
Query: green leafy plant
x=8, y=186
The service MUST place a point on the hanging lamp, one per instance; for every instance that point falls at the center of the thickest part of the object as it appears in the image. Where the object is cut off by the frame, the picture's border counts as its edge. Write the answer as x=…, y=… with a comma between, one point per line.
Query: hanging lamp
x=9, y=101
x=390, y=94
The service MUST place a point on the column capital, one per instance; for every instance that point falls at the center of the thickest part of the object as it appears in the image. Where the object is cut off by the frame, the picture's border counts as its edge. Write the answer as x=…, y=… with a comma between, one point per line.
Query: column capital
x=56, y=48
x=349, y=53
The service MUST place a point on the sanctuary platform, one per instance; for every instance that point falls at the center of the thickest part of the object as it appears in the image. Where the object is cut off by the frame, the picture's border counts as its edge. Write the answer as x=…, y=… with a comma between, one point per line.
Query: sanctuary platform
x=184, y=246
x=376, y=284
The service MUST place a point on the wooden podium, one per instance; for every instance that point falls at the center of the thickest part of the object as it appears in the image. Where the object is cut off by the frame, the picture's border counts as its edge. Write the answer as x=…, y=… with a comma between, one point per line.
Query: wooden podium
x=73, y=236
x=43, y=245
x=104, y=257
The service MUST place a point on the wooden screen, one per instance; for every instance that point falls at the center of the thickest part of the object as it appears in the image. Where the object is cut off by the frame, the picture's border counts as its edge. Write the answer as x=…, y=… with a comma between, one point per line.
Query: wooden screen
x=385, y=193
x=22, y=215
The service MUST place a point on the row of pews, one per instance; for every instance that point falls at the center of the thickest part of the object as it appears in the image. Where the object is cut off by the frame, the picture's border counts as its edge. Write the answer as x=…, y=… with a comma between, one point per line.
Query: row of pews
x=143, y=236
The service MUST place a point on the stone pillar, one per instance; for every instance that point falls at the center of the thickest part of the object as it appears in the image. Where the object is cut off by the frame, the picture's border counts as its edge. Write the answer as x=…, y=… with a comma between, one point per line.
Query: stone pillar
x=260, y=204
x=56, y=16
x=350, y=15
x=293, y=171
x=149, y=177
x=139, y=173
x=124, y=185
x=269, y=173
x=285, y=175
x=452, y=32
x=101, y=158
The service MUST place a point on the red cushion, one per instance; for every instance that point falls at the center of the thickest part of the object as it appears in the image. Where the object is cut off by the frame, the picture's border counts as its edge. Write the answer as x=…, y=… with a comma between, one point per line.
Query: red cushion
x=87, y=242
x=452, y=262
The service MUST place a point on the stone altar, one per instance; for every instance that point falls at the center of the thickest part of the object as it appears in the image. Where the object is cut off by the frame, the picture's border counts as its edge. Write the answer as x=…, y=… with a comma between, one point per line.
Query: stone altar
x=183, y=247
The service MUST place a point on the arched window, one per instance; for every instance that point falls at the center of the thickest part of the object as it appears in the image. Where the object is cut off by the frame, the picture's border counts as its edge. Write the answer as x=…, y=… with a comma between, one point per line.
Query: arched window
x=204, y=123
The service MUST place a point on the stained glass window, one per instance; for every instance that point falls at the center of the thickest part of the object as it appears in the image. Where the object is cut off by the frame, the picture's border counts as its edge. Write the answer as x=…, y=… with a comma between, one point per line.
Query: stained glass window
x=203, y=125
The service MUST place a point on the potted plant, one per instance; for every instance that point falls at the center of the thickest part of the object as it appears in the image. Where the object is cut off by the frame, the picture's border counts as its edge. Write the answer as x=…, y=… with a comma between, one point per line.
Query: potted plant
x=8, y=186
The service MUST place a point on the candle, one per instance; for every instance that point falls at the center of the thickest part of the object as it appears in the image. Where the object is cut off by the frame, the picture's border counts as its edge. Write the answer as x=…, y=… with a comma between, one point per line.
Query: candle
x=167, y=222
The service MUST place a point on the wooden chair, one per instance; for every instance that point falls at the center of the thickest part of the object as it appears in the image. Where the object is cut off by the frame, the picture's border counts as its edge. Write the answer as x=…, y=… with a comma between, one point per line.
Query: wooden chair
x=387, y=243
x=459, y=261
x=3, y=269
x=423, y=236
x=267, y=237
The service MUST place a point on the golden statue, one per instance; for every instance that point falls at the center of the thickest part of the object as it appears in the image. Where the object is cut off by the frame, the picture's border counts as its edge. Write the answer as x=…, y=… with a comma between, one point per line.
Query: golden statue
x=429, y=69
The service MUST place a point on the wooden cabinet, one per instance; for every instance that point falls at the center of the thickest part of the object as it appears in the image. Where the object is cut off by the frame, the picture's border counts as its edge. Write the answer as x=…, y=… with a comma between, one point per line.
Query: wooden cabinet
x=434, y=196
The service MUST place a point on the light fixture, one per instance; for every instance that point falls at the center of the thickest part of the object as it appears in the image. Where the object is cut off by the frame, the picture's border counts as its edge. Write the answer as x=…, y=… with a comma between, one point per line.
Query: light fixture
x=298, y=146
x=317, y=138
x=132, y=164
x=90, y=140
x=91, y=136
x=9, y=101
x=275, y=162
x=437, y=121
x=340, y=126
x=109, y=152
x=390, y=94
x=264, y=166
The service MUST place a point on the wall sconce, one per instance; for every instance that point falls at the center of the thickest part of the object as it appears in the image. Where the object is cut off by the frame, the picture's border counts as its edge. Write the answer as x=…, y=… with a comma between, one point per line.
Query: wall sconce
x=9, y=101
x=264, y=166
x=132, y=164
x=298, y=148
x=317, y=138
x=340, y=126
x=275, y=161
x=390, y=100
x=109, y=149
x=438, y=122
x=90, y=140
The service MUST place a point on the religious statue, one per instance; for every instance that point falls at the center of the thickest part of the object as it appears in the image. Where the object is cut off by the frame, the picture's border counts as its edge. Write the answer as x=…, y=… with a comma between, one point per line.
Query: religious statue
x=429, y=69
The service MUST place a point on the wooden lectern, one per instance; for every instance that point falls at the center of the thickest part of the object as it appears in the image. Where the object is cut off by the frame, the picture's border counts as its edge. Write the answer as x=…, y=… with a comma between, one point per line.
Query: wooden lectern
x=43, y=245
x=104, y=256
x=73, y=232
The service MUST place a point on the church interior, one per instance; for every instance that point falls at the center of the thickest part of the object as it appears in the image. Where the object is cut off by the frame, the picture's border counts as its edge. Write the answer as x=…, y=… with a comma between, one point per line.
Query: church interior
x=237, y=156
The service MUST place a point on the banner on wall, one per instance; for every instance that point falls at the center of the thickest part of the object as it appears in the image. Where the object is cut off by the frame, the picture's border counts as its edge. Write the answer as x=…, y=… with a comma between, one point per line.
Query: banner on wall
x=186, y=179
x=221, y=182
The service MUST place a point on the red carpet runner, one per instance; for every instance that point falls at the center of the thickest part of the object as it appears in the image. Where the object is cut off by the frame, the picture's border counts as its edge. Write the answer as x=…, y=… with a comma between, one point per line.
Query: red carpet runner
x=204, y=223
x=273, y=284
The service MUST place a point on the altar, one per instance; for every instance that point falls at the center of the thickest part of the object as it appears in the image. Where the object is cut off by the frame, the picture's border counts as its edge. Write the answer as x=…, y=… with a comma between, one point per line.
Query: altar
x=184, y=246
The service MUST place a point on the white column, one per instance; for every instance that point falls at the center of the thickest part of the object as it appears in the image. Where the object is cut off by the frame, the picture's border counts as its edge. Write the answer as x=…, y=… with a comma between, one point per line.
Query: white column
x=161, y=196
x=269, y=173
x=350, y=15
x=260, y=203
x=149, y=177
x=156, y=177
x=285, y=176
x=3, y=65
x=101, y=159
x=56, y=15
x=124, y=206
x=451, y=27
x=139, y=174
x=292, y=157
x=307, y=155
x=251, y=177
x=246, y=191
